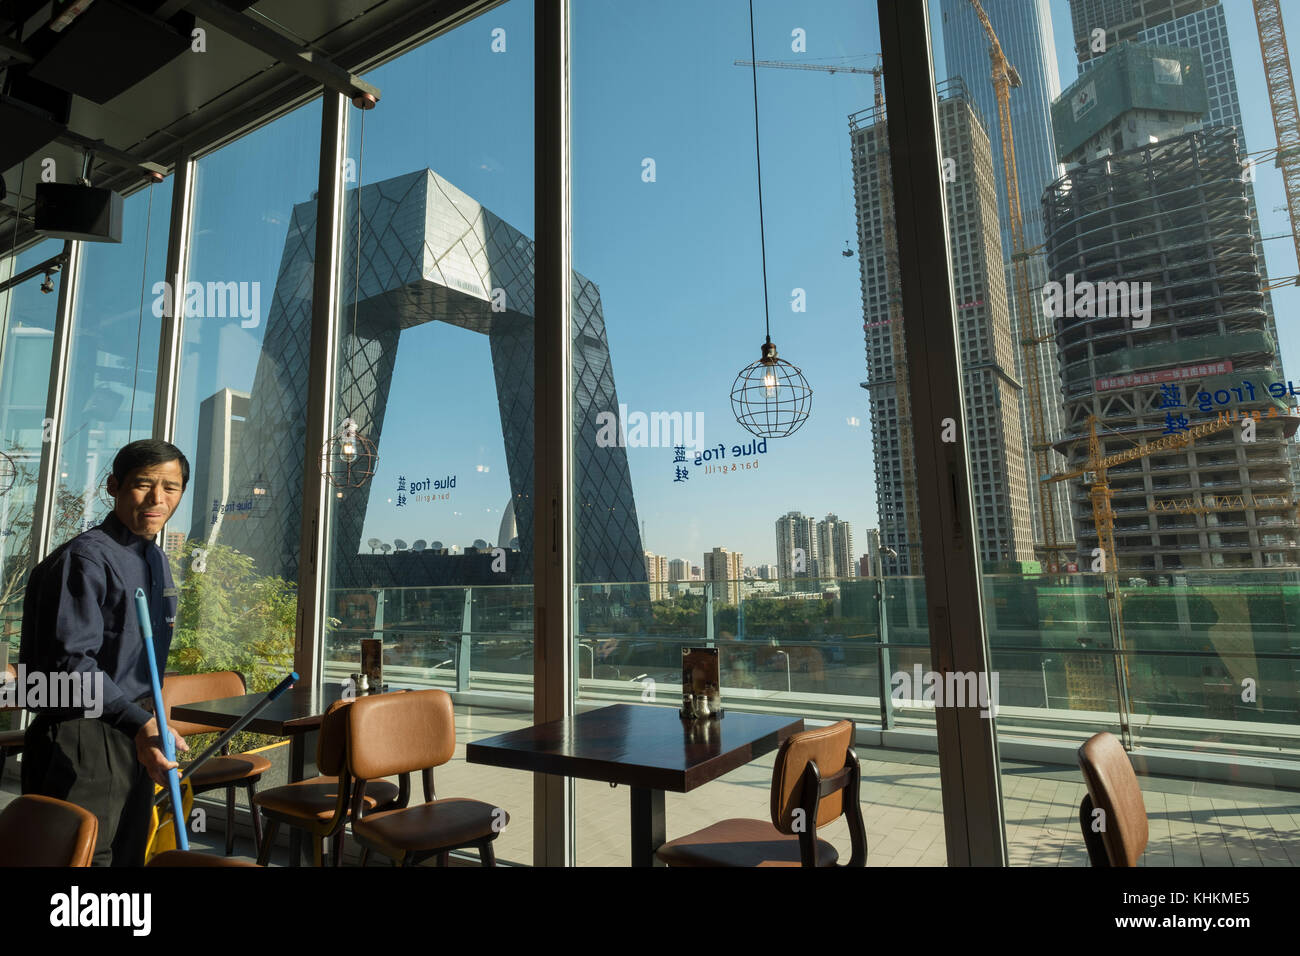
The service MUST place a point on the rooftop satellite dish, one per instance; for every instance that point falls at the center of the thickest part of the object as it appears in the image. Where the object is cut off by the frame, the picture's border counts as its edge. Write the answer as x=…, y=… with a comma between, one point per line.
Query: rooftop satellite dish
x=373, y=543
x=418, y=545
x=385, y=547
x=436, y=546
x=480, y=544
x=399, y=544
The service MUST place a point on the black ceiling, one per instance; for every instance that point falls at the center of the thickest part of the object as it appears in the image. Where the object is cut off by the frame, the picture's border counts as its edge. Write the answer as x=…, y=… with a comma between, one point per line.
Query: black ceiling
x=159, y=96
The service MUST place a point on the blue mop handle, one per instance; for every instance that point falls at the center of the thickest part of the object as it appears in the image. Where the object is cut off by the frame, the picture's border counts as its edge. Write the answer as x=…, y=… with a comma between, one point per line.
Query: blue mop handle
x=160, y=712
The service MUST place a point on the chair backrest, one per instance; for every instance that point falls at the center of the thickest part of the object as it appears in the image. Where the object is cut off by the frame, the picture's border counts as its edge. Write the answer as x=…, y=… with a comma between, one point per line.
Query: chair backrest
x=332, y=741
x=11, y=674
x=391, y=734
x=43, y=831
x=1113, y=789
x=181, y=689
x=828, y=748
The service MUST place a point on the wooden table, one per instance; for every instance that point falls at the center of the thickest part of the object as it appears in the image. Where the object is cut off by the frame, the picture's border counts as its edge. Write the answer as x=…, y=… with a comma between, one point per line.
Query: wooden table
x=651, y=749
x=296, y=714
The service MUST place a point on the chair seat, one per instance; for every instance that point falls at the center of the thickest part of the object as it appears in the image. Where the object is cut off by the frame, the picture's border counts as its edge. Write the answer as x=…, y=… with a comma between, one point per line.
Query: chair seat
x=12, y=739
x=741, y=843
x=227, y=770
x=316, y=798
x=448, y=823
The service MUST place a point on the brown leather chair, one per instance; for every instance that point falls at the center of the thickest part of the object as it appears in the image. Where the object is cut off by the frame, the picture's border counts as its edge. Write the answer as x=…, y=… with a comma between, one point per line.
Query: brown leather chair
x=1121, y=835
x=190, y=858
x=816, y=778
x=399, y=734
x=227, y=771
x=11, y=741
x=321, y=805
x=44, y=831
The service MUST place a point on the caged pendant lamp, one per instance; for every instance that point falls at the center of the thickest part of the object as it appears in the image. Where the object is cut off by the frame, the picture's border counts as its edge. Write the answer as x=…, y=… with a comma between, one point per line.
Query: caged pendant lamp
x=770, y=398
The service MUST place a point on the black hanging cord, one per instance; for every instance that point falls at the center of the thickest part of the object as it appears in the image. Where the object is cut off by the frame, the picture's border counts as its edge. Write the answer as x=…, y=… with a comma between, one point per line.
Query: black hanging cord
x=758, y=158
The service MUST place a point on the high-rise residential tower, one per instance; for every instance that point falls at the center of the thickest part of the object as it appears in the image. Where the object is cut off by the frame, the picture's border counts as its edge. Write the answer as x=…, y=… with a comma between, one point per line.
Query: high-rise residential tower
x=796, y=552
x=726, y=569
x=997, y=446
x=1024, y=29
x=835, y=545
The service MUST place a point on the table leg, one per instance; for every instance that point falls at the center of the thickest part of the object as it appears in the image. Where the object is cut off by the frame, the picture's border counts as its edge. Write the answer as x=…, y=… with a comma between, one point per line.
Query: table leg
x=302, y=764
x=648, y=826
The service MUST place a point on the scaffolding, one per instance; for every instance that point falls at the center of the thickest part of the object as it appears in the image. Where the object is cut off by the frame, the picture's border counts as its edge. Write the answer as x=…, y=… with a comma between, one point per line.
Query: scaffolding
x=1175, y=214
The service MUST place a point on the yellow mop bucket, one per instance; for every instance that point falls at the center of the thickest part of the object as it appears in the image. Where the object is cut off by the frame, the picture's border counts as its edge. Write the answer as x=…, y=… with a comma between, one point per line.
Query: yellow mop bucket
x=162, y=833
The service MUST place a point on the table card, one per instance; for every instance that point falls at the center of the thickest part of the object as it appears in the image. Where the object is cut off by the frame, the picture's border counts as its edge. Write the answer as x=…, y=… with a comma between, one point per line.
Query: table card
x=701, y=695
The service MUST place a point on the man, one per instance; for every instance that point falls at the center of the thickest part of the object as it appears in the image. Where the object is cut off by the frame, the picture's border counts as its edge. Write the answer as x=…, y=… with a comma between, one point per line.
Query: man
x=79, y=615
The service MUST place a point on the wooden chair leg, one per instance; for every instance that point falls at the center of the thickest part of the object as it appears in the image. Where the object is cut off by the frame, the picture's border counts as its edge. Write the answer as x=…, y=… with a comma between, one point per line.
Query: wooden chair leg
x=336, y=850
x=251, y=787
x=230, y=819
x=365, y=855
x=444, y=858
x=486, y=855
x=264, y=852
x=317, y=851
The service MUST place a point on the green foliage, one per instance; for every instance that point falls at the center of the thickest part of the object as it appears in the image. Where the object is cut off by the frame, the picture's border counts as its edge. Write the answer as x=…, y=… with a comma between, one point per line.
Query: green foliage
x=232, y=618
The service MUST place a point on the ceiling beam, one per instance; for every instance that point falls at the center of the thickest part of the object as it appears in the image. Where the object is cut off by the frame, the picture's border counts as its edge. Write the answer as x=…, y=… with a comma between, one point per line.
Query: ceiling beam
x=270, y=42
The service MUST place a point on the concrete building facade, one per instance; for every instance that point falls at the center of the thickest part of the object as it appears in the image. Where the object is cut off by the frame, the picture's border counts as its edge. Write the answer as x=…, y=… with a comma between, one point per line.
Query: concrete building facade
x=998, y=448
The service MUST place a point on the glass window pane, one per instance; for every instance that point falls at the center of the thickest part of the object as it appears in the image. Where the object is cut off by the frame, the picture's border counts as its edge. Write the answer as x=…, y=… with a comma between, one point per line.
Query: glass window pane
x=692, y=531
x=431, y=483
x=1143, y=332
x=241, y=400
x=28, y=342
x=113, y=362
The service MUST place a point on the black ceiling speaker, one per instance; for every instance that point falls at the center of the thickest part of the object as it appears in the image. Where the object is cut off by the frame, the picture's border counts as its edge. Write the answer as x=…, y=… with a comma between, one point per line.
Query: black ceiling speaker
x=67, y=211
x=109, y=48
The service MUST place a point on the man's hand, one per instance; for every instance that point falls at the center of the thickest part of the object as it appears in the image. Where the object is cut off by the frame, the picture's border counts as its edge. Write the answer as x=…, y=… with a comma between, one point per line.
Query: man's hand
x=148, y=750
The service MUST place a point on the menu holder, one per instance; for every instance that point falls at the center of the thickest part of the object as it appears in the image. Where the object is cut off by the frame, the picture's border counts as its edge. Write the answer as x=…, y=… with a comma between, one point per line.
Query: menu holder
x=701, y=694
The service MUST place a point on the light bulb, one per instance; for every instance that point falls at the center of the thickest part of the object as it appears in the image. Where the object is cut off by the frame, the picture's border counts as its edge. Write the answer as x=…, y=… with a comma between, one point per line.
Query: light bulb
x=349, y=453
x=769, y=383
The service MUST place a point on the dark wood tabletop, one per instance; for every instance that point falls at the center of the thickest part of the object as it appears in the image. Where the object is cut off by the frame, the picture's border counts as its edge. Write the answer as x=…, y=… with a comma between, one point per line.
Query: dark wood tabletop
x=637, y=745
x=296, y=711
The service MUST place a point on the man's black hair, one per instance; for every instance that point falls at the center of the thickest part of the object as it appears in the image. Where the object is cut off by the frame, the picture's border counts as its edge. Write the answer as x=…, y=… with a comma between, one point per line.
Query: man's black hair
x=146, y=452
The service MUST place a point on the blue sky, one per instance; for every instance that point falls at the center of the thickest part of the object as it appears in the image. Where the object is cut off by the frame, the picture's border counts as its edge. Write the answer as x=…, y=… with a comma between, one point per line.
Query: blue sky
x=677, y=260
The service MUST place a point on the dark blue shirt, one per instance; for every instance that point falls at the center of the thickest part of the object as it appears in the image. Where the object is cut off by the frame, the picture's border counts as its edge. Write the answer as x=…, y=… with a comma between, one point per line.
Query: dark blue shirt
x=79, y=614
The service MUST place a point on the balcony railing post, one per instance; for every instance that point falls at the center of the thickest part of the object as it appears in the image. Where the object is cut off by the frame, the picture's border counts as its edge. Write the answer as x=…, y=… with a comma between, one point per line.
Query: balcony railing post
x=379, y=614
x=462, y=652
x=1115, y=617
x=708, y=614
x=882, y=617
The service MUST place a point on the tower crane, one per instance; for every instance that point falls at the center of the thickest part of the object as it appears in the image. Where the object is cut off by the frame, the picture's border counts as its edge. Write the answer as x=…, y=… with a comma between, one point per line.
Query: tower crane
x=894, y=295
x=1095, y=466
x=1006, y=78
x=1282, y=99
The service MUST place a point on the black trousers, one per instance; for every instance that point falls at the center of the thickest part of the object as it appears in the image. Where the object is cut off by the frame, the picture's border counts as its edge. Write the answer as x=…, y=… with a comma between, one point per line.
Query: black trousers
x=89, y=763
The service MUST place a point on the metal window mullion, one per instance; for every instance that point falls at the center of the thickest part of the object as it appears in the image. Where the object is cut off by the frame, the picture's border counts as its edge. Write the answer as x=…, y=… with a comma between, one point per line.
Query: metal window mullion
x=314, y=563
x=553, y=836
x=968, y=758
x=171, y=339
x=55, y=405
